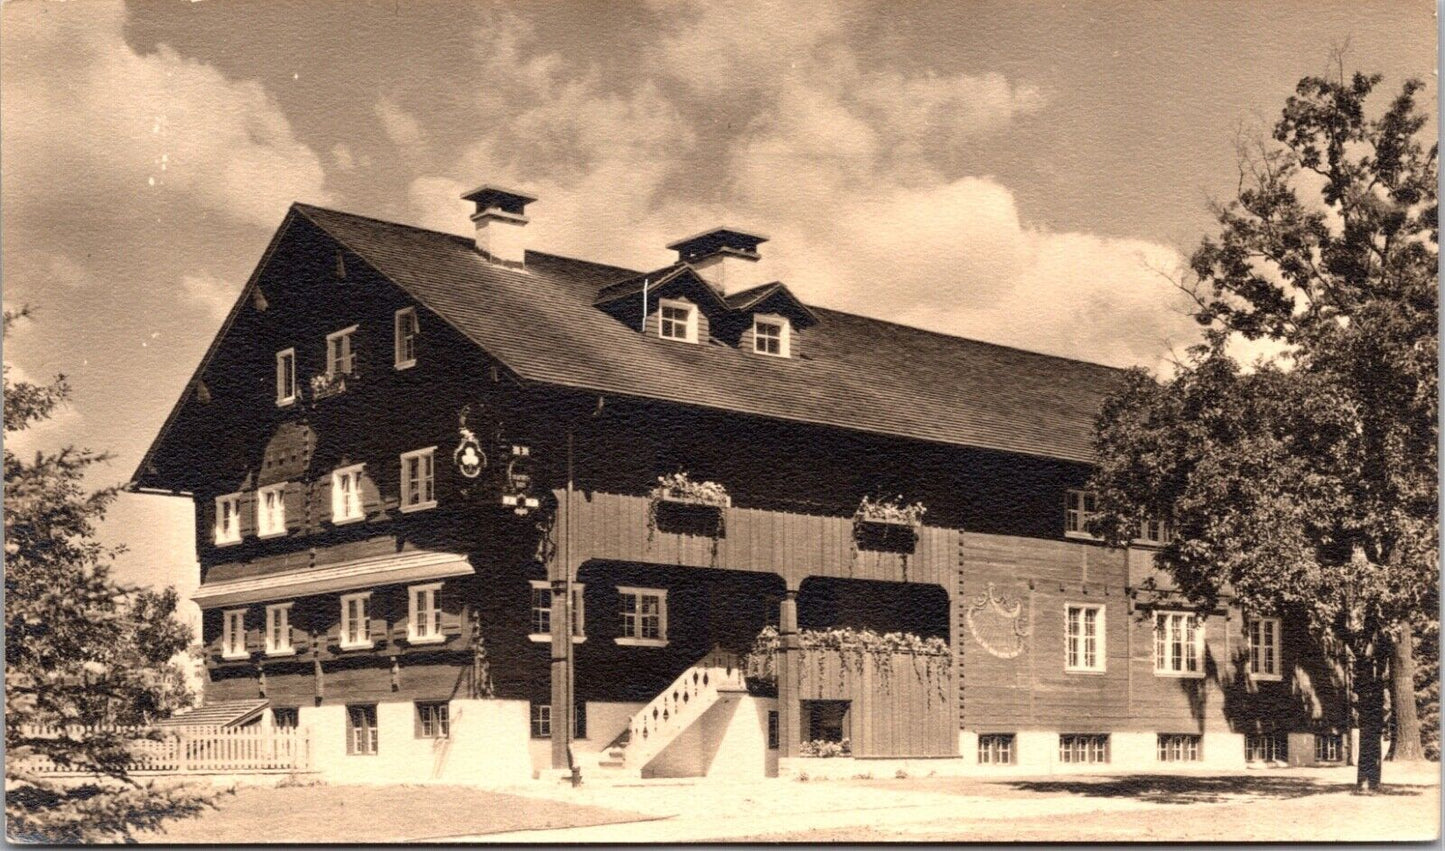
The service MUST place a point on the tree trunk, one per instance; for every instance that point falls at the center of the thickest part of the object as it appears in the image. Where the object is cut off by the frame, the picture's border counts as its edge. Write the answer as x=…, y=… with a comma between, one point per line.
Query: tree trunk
x=1370, y=708
x=1405, y=743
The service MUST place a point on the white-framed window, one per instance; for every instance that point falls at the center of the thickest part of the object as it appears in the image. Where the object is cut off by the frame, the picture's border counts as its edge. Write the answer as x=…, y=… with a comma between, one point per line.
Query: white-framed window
x=1178, y=645
x=644, y=616
x=406, y=334
x=228, y=519
x=433, y=719
x=1079, y=507
x=1266, y=747
x=418, y=479
x=361, y=733
x=1264, y=663
x=772, y=335
x=677, y=320
x=355, y=621
x=278, y=630
x=542, y=612
x=1329, y=747
x=286, y=377
x=1178, y=747
x=424, y=616
x=1083, y=637
x=346, y=494
x=340, y=359
x=1083, y=747
x=271, y=510
x=233, y=634
x=541, y=721
x=995, y=748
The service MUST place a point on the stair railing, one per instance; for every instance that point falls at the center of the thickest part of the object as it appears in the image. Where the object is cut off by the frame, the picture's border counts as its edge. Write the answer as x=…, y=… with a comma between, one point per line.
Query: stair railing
x=680, y=704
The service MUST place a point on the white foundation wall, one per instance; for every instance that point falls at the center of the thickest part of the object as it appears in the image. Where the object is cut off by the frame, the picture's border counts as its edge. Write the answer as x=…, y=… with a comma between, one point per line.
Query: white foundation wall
x=729, y=741
x=605, y=721
x=1037, y=752
x=487, y=746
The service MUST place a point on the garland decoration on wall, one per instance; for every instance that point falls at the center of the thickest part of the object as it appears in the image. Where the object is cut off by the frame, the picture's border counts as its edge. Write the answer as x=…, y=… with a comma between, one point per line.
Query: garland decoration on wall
x=996, y=624
x=854, y=646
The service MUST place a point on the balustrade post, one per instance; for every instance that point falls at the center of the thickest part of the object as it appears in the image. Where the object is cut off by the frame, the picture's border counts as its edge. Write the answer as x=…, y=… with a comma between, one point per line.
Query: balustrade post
x=789, y=657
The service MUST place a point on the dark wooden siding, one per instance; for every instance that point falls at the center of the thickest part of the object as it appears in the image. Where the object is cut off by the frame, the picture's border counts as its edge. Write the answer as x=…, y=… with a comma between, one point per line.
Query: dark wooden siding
x=900, y=704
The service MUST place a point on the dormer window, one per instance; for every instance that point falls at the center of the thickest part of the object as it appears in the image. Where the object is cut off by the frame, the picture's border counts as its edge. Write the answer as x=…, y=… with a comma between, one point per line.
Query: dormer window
x=677, y=320
x=772, y=336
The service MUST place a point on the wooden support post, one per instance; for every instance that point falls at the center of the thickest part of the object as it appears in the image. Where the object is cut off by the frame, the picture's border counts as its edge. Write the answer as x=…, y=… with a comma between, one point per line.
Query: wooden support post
x=790, y=656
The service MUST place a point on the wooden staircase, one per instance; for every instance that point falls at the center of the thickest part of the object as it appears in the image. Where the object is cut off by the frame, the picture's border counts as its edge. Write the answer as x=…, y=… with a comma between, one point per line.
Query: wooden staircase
x=671, y=712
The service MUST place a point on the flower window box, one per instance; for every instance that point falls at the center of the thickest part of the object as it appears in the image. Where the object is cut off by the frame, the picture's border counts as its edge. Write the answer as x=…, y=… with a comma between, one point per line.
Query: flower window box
x=890, y=512
x=678, y=489
x=325, y=385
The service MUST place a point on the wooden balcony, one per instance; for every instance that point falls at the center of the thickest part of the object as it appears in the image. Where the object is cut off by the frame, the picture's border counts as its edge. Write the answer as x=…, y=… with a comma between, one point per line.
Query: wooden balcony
x=617, y=527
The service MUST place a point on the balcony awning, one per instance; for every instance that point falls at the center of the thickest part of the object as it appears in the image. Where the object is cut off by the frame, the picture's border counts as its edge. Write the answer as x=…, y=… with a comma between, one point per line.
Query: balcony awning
x=346, y=576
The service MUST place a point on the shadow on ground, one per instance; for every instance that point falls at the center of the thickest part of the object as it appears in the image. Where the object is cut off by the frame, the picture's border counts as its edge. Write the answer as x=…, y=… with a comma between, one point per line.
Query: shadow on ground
x=1166, y=789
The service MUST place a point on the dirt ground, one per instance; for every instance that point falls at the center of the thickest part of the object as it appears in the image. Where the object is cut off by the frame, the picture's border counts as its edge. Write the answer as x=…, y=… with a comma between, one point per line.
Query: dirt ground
x=1307, y=805
x=1215, y=809
x=372, y=814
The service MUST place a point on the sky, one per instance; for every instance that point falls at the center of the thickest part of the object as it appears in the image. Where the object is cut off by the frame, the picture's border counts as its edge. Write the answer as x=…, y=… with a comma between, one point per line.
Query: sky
x=1023, y=173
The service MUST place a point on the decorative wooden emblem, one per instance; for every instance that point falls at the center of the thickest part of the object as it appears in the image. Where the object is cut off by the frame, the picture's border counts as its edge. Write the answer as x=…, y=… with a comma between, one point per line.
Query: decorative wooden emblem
x=996, y=625
x=288, y=454
x=469, y=457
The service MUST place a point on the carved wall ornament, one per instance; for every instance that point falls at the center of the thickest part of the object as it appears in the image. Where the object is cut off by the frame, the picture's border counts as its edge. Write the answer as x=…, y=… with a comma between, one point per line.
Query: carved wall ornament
x=996, y=624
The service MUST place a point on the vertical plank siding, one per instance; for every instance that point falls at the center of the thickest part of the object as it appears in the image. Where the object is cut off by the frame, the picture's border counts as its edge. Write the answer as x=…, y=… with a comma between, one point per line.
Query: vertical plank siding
x=795, y=546
x=900, y=704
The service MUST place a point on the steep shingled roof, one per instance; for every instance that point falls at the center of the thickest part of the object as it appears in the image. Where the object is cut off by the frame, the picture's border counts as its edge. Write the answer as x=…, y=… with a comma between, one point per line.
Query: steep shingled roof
x=855, y=372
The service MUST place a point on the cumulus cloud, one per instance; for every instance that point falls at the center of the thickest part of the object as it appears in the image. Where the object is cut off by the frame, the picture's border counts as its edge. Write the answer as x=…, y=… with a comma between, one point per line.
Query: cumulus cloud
x=400, y=126
x=118, y=123
x=211, y=294
x=851, y=170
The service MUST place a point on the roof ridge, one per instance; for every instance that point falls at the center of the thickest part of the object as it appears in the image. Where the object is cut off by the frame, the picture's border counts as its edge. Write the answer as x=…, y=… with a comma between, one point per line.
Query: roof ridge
x=457, y=237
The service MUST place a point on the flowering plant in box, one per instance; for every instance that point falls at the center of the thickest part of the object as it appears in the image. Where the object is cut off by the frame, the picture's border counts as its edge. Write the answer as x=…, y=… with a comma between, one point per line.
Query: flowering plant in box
x=889, y=511
x=678, y=487
x=825, y=749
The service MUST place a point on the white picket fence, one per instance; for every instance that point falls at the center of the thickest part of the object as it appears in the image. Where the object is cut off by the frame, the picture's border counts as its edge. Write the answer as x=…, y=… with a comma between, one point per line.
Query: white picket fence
x=197, y=750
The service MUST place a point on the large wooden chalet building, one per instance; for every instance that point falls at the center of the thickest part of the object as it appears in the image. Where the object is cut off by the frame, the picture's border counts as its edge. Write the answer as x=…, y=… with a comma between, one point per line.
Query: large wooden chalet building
x=415, y=458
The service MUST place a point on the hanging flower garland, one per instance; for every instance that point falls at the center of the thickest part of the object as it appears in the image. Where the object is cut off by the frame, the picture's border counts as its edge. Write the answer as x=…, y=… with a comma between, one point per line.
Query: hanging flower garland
x=854, y=646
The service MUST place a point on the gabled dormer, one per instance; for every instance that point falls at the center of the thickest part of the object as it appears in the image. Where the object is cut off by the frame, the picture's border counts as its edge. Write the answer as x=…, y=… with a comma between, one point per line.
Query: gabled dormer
x=673, y=303
x=768, y=320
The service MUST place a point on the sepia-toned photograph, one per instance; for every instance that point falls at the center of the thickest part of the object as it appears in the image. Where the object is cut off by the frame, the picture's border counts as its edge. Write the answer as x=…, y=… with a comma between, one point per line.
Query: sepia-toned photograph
x=667, y=422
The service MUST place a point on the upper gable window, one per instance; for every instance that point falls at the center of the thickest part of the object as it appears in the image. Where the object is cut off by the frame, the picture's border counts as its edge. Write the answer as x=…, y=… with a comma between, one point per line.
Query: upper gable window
x=1079, y=509
x=772, y=335
x=339, y=359
x=271, y=510
x=346, y=494
x=677, y=320
x=286, y=377
x=406, y=334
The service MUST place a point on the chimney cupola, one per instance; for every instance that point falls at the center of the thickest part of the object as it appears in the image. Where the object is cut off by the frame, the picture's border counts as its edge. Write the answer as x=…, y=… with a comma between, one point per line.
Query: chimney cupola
x=725, y=257
x=500, y=220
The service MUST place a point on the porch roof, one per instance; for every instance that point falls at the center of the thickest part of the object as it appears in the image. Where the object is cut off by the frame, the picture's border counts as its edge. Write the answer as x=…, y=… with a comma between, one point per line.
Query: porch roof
x=227, y=713
x=346, y=576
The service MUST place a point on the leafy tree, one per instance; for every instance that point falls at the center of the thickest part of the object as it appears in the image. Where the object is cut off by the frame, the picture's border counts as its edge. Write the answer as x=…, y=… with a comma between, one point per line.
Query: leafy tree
x=1306, y=484
x=80, y=650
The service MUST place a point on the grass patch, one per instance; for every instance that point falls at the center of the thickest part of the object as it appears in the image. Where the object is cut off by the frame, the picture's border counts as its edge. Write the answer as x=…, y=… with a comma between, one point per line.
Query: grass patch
x=374, y=814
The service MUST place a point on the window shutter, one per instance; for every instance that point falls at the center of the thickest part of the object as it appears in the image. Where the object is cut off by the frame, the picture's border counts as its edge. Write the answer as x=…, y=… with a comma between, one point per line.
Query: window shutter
x=248, y=515
x=370, y=493
x=255, y=621
x=453, y=608
x=350, y=730
x=331, y=616
x=295, y=500
x=321, y=499
x=379, y=609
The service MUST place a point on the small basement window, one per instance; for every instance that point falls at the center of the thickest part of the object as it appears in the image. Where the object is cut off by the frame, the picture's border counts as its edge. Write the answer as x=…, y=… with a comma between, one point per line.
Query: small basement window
x=772, y=335
x=1080, y=747
x=996, y=749
x=1179, y=747
x=677, y=320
